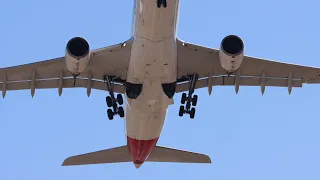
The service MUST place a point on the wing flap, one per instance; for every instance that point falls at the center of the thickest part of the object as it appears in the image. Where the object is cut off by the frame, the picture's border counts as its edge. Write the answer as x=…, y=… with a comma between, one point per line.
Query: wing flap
x=54, y=83
x=244, y=81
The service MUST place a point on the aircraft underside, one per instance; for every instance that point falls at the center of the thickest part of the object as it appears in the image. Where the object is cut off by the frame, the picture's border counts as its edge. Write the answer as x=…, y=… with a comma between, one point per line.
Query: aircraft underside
x=143, y=74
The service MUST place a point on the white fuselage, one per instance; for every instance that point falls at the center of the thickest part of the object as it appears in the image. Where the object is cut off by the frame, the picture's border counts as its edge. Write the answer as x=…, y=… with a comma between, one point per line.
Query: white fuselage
x=153, y=62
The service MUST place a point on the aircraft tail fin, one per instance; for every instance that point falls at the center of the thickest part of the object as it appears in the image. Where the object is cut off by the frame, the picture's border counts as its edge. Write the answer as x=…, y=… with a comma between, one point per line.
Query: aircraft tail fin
x=164, y=154
x=114, y=155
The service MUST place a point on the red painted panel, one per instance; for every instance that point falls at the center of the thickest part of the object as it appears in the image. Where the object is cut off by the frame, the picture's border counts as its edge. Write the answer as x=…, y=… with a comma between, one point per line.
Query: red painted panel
x=140, y=149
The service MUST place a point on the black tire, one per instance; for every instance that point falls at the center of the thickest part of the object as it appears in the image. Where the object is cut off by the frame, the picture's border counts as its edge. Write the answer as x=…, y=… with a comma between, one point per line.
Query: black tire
x=159, y=2
x=192, y=113
x=119, y=99
x=110, y=114
x=109, y=101
x=181, y=111
x=164, y=3
x=121, y=112
x=194, y=100
x=183, y=98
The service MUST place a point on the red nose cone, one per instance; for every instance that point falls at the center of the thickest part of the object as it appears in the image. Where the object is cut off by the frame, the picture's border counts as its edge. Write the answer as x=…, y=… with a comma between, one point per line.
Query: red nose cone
x=140, y=149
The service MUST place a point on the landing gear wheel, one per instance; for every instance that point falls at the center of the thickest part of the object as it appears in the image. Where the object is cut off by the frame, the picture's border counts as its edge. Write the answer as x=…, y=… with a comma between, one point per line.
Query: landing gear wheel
x=181, y=111
x=192, y=113
x=119, y=99
x=159, y=2
x=189, y=100
x=121, y=112
x=109, y=101
x=194, y=100
x=164, y=3
x=183, y=98
x=113, y=102
x=110, y=114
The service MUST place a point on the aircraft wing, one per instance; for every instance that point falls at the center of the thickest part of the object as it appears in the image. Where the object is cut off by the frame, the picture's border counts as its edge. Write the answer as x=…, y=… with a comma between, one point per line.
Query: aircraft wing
x=53, y=73
x=203, y=61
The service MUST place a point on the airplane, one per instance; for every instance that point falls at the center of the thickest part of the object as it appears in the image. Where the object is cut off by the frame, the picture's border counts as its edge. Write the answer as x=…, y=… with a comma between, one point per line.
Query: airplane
x=149, y=69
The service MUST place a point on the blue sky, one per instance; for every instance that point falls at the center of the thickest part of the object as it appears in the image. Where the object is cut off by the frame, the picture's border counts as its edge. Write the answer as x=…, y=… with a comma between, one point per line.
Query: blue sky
x=248, y=136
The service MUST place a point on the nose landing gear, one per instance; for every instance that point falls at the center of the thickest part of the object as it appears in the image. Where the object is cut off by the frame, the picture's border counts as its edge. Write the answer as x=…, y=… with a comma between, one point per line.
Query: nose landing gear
x=189, y=100
x=112, y=101
x=161, y=2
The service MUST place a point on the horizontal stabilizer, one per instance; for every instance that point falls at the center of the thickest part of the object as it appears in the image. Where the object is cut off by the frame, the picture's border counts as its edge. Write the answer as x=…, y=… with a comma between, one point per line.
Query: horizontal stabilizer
x=164, y=154
x=121, y=154
x=114, y=155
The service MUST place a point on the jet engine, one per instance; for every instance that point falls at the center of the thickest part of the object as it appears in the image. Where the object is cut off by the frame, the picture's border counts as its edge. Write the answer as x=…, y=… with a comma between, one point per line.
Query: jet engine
x=77, y=55
x=231, y=53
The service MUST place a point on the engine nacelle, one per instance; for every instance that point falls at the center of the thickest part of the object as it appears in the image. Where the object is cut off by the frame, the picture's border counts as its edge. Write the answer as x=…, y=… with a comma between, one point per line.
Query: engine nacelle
x=231, y=53
x=77, y=55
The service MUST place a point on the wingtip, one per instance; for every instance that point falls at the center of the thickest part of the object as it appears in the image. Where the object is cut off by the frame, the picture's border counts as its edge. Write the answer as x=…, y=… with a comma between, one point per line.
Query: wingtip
x=207, y=159
x=66, y=162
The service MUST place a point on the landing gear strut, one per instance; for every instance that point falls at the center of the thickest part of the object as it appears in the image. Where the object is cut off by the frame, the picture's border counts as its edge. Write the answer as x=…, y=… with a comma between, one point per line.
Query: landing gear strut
x=189, y=100
x=112, y=101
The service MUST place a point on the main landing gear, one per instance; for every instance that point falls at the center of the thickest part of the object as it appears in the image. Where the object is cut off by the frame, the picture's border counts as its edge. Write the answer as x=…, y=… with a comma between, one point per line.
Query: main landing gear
x=161, y=2
x=189, y=100
x=112, y=101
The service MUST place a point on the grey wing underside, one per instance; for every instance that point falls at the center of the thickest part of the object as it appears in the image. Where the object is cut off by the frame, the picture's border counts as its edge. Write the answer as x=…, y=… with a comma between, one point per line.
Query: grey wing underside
x=203, y=61
x=53, y=73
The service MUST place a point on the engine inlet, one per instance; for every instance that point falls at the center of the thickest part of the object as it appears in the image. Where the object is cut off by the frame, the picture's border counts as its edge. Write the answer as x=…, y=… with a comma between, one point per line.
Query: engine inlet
x=232, y=45
x=78, y=47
